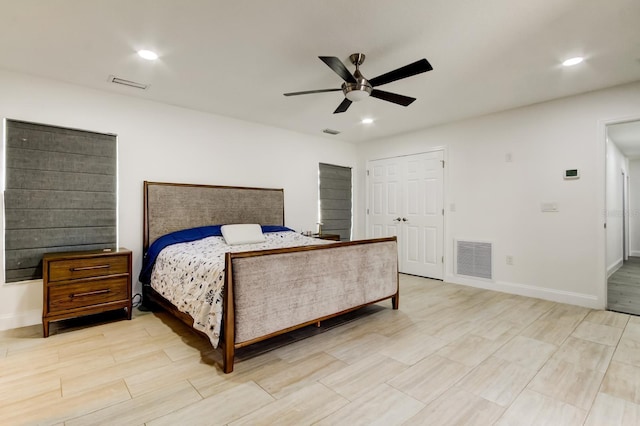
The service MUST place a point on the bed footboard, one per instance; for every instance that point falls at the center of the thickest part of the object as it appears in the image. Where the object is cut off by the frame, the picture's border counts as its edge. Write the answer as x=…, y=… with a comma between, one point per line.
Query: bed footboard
x=271, y=292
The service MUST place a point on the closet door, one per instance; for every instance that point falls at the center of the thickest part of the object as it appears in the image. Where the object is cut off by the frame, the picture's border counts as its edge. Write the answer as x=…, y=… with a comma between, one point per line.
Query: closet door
x=406, y=200
x=423, y=215
x=385, y=192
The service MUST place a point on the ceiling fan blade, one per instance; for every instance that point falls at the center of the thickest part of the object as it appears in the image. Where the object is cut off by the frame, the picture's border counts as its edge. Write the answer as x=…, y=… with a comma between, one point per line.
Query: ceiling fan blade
x=407, y=71
x=392, y=97
x=338, y=67
x=307, y=92
x=343, y=106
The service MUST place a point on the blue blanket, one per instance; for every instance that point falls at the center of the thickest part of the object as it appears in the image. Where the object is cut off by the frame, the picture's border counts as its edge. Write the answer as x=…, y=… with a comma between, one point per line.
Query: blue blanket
x=185, y=236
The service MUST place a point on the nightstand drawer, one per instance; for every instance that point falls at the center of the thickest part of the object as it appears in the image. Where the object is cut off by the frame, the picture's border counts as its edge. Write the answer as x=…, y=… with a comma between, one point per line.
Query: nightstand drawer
x=60, y=270
x=63, y=297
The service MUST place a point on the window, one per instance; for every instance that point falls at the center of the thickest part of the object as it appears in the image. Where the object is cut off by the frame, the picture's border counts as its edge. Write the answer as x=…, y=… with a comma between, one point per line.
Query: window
x=60, y=194
x=335, y=200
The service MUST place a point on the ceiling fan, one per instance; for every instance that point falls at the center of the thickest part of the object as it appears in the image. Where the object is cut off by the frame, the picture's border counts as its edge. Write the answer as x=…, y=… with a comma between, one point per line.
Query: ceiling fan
x=356, y=87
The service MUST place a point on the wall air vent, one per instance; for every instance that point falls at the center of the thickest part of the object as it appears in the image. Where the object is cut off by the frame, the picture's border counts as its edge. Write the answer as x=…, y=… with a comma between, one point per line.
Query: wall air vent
x=474, y=259
x=331, y=132
x=122, y=81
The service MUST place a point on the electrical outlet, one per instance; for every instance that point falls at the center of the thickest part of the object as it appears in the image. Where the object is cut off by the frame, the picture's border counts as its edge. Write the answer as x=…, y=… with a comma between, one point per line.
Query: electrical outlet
x=510, y=260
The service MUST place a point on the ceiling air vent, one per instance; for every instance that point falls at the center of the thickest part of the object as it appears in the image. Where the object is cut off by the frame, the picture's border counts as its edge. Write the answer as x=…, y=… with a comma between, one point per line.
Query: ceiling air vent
x=122, y=81
x=331, y=132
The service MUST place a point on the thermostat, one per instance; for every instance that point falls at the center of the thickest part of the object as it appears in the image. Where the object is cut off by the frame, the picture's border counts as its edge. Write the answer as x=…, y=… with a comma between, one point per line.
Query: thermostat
x=572, y=174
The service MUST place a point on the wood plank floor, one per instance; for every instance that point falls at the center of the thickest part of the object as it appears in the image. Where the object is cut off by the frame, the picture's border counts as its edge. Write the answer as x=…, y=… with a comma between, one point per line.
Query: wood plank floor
x=623, y=288
x=450, y=355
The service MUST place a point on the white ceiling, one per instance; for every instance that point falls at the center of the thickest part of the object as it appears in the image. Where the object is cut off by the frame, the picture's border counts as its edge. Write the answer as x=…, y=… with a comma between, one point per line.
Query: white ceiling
x=236, y=58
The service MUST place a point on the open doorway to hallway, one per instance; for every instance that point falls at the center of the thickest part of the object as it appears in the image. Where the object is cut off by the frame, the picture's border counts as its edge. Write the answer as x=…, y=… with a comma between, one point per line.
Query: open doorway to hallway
x=623, y=217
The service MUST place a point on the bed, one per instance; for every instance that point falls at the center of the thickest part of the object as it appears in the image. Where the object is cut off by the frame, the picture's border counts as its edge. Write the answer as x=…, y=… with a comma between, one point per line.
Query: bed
x=265, y=291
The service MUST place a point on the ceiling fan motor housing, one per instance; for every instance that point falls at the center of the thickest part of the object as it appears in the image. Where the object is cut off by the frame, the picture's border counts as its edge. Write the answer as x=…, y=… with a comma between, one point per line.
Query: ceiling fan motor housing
x=357, y=91
x=362, y=88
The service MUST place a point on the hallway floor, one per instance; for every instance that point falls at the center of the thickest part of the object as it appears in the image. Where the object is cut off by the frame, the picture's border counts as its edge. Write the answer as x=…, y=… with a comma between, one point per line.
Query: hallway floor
x=623, y=288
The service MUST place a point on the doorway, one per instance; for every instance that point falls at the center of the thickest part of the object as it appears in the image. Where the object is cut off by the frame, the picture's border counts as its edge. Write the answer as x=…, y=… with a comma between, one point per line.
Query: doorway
x=406, y=199
x=623, y=224
x=625, y=216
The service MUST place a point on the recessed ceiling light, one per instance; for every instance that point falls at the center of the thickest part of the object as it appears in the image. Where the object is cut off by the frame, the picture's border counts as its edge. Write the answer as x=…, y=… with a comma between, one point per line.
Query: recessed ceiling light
x=573, y=61
x=367, y=120
x=148, y=55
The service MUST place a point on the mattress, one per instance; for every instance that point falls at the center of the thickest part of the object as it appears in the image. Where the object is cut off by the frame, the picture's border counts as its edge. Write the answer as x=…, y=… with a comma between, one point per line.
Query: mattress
x=190, y=275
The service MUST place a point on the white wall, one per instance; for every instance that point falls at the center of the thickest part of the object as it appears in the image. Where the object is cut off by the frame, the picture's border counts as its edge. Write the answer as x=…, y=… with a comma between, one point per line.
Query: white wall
x=557, y=256
x=158, y=142
x=616, y=163
x=634, y=208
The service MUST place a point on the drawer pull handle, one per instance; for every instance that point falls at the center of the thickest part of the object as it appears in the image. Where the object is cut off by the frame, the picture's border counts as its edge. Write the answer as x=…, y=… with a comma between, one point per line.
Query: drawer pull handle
x=89, y=268
x=91, y=293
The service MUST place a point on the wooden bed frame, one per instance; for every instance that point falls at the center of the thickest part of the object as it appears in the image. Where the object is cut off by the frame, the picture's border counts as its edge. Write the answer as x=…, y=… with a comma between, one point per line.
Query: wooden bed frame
x=170, y=207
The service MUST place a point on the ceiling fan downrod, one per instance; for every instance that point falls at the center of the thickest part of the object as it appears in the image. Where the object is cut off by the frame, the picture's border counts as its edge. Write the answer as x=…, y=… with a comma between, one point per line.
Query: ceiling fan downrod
x=361, y=88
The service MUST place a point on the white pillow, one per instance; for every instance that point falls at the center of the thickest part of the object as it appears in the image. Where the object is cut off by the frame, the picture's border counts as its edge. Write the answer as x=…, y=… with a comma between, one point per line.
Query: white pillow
x=246, y=233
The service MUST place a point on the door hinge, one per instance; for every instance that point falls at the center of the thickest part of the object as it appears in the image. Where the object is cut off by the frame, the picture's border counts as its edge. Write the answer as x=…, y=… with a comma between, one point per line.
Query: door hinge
x=442, y=161
x=367, y=172
x=442, y=259
x=367, y=211
x=442, y=212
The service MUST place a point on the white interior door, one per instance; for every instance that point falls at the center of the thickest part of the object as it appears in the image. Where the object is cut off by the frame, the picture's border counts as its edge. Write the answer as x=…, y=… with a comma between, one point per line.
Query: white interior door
x=385, y=192
x=406, y=200
x=423, y=211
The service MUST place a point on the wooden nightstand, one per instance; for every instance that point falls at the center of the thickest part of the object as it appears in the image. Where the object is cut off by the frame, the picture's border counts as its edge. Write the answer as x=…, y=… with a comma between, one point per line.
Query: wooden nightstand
x=334, y=237
x=85, y=282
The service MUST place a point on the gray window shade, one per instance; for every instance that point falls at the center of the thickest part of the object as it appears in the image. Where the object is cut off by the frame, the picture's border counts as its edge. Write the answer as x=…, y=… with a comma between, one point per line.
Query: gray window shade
x=60, y=194
x=335, y=200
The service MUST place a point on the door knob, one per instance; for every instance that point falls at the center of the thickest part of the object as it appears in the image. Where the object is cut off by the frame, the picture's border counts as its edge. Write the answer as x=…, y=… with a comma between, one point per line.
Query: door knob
x=397, y=219
x=404, y=219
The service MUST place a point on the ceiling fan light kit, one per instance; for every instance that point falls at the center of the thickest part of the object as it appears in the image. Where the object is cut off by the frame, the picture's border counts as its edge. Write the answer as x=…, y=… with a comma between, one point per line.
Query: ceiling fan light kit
x=356, y=87
x=356, y=92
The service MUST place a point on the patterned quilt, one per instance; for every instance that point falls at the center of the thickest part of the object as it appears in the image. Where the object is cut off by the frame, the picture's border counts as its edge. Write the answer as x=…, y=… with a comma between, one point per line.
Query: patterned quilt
x=191, y=275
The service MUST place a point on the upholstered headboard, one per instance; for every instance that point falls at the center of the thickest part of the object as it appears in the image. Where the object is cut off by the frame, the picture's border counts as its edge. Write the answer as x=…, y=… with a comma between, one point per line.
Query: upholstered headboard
x=170, y=207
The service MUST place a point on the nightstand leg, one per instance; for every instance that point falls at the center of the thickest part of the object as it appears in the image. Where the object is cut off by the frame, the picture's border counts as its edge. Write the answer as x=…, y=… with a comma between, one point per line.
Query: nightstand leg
x=45, y=328
x=129, y=312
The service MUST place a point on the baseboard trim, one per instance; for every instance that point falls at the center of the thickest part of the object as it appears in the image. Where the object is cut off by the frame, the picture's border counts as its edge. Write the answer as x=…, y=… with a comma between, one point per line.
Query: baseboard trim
x=634, y=253
x=553, y=295
x=613, y=268
x=23, y=319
